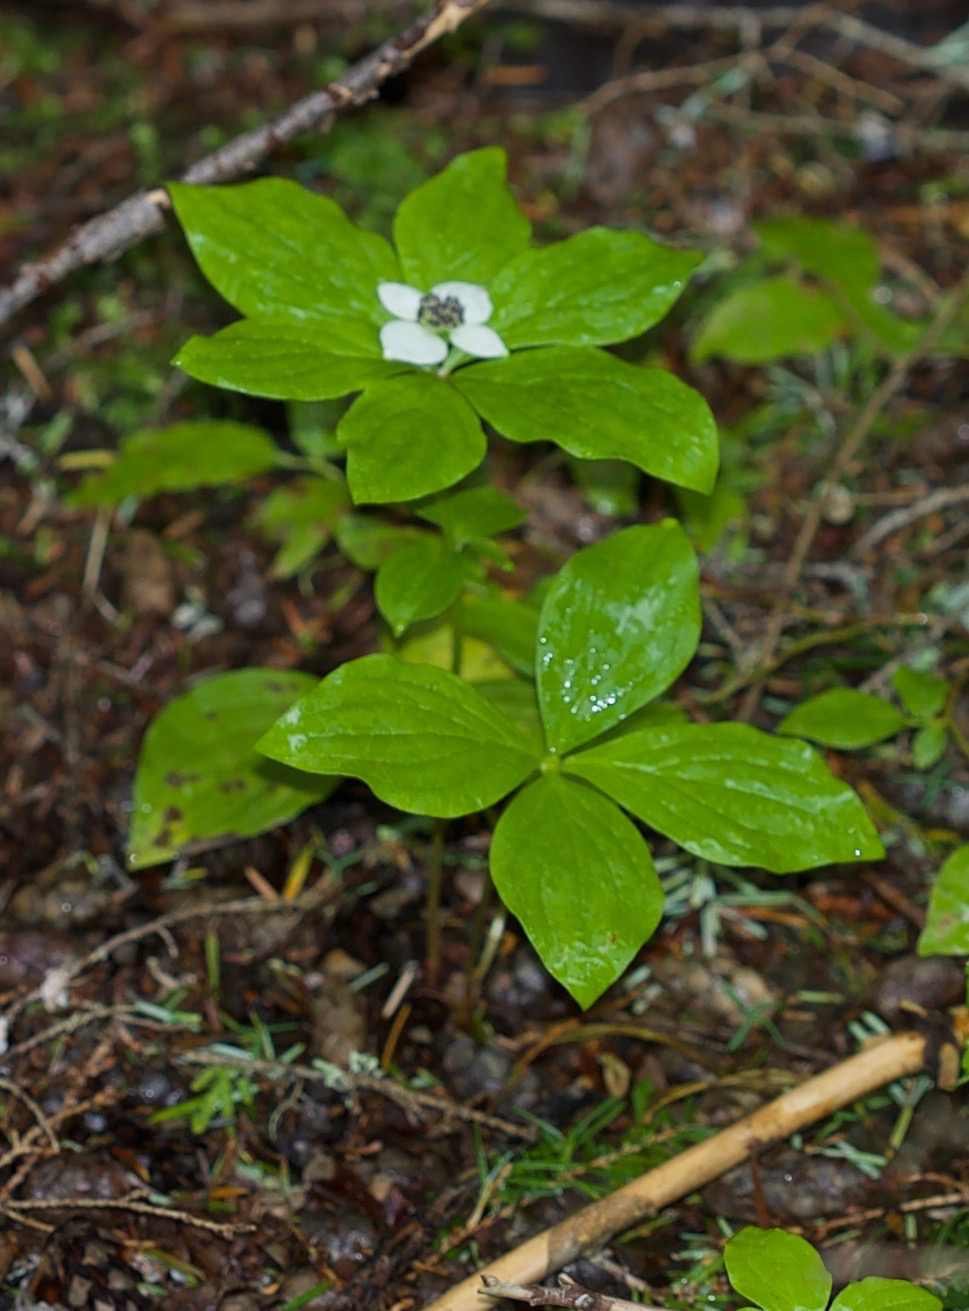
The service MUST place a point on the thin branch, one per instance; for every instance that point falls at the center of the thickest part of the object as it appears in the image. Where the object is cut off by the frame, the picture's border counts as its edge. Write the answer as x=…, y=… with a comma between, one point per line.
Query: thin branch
x=109, y=235
x=592, y=1227
x=739, y=17
x=894, y=522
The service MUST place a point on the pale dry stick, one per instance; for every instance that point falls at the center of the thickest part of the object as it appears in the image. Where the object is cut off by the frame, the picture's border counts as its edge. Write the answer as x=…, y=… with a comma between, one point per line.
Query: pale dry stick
x=133, y=1203
x=592, y=1227
x=109, y=235
x=854, y=439
x=892, y=523
x=909, y=136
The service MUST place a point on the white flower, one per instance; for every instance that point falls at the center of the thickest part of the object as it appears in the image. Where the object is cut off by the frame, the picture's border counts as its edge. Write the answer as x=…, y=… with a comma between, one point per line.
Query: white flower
x=457, y=311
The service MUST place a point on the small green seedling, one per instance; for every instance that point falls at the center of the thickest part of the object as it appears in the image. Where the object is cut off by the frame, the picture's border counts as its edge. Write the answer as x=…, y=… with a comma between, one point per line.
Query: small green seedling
x=778, y=1271
x=849, y=720
x=221, y=1091
x=813, y=282
x=618, y=625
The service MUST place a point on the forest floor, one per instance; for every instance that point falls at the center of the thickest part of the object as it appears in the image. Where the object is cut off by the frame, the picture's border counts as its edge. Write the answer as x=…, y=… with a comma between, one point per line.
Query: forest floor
x=484, y=1108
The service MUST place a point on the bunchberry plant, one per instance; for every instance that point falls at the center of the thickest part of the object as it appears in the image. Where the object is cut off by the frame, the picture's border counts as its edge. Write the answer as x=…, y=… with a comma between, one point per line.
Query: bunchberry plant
x=778, y=1271
x=618, y=625
x=463, y=322
x=848, y=719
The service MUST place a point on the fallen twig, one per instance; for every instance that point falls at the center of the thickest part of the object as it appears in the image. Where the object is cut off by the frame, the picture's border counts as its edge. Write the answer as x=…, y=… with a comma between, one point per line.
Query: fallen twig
x=898, y=519
x=740, y=17
x=109, y=235
x=593, y=1226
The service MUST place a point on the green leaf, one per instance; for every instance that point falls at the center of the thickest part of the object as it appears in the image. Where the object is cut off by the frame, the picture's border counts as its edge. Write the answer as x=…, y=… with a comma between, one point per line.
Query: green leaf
x=409, y=437
x=768, y=320
x=422, y=739
x=433, y=643
x=777, y=1271
x=510, y=626
x=367, y=542
x=180, y=458
x=733, y=795
x=620, y=623
x=283, y=361
x=610, y=486
x=598, y=287
x=312, y=426
x=874, y=1294
x=946, y=931
x=275, y=250
x=515, y=699
x=301, y=516
x=418, y=582
x=200, y=781
x=923, y=695
x=580, y=880
x=596, y=406
x=847, y=256
x=707, y=518
x=463, y=224
x=843, y=718
x=472, y=514
x=929, y=743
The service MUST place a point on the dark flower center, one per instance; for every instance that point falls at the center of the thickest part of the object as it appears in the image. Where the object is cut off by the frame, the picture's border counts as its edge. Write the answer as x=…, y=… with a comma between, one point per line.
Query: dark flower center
x=440, y=312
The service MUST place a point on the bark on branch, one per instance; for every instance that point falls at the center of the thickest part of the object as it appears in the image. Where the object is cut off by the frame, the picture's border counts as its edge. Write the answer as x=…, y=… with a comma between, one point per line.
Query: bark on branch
x=143, y=214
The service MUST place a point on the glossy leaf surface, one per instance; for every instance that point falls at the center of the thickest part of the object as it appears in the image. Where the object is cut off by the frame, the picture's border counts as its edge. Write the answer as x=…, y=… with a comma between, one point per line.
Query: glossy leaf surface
x=777, y=1271
x=733, y=795
x=200, y=781
x=472, y=514
x=418, y=582
x=597, y=287
x=464, y=224
x=276, y=250
x=580, y=879
x=843, y=718
x=422, y=739
x=619, y=624
x=874, y=1294
x=596, y=406
x=510, y=626
x=281, y=361
x=409, y=437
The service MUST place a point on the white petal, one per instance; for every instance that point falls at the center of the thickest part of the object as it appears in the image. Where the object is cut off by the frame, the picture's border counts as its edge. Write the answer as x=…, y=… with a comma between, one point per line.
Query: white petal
x=412, y=343
x=475, y=339
x=400, y=299
x=474, y=300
